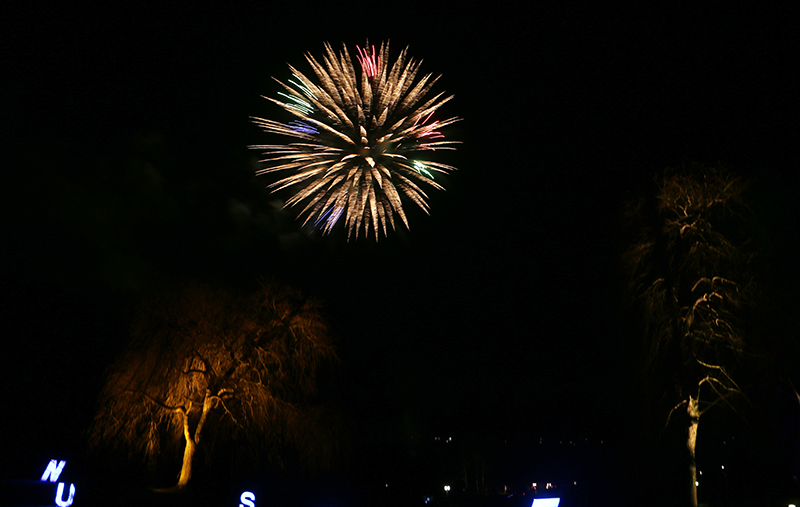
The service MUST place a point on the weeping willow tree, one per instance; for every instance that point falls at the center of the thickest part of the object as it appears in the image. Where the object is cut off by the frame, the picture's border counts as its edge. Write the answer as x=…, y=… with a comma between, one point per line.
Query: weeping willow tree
x=206, y=365
x=691, y=279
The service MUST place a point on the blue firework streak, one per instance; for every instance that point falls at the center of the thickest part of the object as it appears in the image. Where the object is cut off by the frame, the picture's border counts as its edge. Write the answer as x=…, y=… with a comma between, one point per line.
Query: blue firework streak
x=360, y=139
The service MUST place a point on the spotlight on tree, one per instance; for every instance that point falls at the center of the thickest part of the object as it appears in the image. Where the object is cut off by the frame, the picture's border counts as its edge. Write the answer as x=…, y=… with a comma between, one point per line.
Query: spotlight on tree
x=208, y=367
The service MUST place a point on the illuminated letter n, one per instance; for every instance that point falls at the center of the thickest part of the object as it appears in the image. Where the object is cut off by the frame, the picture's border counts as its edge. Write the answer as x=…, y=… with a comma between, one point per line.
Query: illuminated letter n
x=53, y=470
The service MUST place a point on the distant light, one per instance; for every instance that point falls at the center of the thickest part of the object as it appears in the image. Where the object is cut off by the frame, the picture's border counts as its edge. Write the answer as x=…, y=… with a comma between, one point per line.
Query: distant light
x=387, y=485
x=723, y=467
x=791, y=505
x=696, y=483
x=549, y=485
x=447, y=488
x=545, y=502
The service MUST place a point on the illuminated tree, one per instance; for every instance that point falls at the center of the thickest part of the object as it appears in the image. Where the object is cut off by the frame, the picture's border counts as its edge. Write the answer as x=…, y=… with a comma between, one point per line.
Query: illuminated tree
x=207, y=365
x=690, y=274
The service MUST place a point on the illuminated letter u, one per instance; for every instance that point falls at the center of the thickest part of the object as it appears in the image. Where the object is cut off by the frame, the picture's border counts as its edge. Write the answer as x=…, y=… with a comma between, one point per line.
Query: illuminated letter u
x=60, y=492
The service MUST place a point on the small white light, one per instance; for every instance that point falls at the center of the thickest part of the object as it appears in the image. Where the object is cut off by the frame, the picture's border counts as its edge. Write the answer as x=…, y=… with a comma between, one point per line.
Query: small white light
x=696, y=483
x=447, y=488
x=723, y=467
x=546, y=502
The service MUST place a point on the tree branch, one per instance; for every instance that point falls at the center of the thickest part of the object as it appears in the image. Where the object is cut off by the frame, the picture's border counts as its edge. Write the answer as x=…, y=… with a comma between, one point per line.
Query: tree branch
x=179, y=408
x=206, y=363
x=676, y=407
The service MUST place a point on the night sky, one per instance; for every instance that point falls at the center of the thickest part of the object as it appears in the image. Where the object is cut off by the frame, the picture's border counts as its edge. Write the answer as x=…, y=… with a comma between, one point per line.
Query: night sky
x=126, y=165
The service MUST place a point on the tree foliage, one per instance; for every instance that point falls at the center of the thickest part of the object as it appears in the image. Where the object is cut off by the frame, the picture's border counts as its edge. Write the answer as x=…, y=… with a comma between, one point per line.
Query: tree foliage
x=690, y=273
x=691, y=276
x=209, y=365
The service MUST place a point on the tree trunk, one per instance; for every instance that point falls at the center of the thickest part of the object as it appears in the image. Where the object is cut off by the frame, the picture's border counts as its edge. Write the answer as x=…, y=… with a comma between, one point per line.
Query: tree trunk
x=477, y=485
x=483, y=478
x=693, y=411
x=191, y=442
x=186, y=468
x=188, y=456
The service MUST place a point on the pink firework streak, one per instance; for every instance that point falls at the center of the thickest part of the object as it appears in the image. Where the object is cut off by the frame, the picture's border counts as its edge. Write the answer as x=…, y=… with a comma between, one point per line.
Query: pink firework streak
x=369, y=61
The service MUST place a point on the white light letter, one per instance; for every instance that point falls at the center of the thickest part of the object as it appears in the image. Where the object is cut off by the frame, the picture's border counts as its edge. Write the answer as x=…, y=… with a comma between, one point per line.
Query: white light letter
x=546, y=502
x=60, y=491
x=53, y=470
x=248, y=499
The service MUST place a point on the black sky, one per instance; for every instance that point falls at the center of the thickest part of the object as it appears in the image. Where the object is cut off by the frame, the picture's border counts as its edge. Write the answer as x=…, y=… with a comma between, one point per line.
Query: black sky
x=127, y=164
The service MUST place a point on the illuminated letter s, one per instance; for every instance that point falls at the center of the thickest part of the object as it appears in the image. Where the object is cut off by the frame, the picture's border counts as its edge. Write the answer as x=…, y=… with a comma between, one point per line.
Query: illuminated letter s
x=247, y=499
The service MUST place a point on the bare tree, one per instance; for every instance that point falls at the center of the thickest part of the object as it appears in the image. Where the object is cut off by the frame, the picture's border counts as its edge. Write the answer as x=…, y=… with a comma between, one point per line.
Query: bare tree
x=690, y=275
x=203, y=362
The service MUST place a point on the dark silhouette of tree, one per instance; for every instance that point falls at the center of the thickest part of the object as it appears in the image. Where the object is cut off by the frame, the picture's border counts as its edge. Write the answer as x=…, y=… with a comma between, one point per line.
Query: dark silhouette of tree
x=206, y=365
x=690, y=273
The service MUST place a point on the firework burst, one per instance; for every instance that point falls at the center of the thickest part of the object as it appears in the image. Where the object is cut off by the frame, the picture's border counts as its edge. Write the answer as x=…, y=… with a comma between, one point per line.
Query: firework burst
x=362, y=139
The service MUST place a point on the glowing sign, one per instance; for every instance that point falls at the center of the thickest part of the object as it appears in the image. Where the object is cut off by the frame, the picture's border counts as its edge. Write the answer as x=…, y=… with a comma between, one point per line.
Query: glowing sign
x=53, y=470
x=248, y=499
x=60, y=495
x=545, y=502
x=51, y=473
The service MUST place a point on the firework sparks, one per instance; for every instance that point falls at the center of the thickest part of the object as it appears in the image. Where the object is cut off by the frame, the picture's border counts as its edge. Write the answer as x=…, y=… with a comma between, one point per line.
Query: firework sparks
x=362, y=138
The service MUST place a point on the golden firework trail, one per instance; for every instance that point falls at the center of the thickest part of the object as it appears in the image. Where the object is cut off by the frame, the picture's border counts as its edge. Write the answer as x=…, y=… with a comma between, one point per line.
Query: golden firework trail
x=362, y=138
